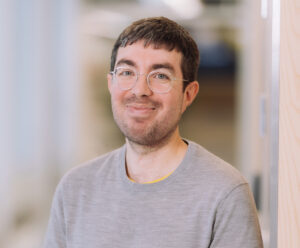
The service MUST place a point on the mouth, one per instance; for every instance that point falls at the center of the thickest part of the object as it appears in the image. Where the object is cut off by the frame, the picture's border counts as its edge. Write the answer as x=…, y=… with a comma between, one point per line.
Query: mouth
x=139, y=106
x=140, y=110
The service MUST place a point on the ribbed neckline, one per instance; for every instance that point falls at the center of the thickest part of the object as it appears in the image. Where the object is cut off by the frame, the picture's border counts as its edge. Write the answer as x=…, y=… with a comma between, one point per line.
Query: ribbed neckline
x=156, y=180
x=157, y=185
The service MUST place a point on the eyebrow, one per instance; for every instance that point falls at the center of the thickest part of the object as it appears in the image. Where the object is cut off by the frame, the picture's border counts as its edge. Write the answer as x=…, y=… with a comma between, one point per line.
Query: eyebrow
x=126, y=62
x=153, y=67
x=163, y=65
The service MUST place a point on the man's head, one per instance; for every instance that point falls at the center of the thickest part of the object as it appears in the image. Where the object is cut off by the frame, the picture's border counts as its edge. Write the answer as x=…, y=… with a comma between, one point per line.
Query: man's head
x=161, y=32
x=146, y=80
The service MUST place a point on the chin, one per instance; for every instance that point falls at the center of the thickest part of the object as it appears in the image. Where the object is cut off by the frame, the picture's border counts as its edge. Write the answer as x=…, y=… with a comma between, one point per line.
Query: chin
x=149, y=137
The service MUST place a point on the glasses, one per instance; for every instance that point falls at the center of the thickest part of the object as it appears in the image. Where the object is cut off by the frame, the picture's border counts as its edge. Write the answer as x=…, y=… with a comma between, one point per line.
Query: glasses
x=159, y=81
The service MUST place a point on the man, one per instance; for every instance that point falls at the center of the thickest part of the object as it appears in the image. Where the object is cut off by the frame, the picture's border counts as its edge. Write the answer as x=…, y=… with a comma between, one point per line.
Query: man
x=158, y=190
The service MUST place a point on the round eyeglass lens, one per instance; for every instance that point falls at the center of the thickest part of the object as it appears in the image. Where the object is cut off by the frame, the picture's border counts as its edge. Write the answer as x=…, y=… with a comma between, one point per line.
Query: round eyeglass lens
x=125, y=78
x=160, y=81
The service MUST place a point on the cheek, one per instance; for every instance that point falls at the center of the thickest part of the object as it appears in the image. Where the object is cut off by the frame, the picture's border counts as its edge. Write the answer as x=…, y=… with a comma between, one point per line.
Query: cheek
x=116, y=104
x=117, y=96
x=177, y=101
x=174, y=105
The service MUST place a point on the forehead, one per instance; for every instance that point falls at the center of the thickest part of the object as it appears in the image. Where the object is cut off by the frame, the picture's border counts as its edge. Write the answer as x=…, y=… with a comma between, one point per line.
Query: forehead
x=145, y=57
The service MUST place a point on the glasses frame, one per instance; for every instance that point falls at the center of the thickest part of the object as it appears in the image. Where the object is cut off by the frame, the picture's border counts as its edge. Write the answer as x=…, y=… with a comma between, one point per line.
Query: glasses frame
x=113, y=73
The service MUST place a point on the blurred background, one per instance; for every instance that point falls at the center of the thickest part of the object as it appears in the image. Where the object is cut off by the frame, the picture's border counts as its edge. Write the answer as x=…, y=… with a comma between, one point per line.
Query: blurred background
x=55, y=107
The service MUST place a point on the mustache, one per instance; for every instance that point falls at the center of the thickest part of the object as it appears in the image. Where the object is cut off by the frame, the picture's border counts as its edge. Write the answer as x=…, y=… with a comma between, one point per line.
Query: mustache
x=136, y=100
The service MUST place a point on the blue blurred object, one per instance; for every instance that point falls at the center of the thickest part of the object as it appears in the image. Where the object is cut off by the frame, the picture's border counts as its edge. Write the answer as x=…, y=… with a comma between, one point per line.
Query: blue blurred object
x=217, y=55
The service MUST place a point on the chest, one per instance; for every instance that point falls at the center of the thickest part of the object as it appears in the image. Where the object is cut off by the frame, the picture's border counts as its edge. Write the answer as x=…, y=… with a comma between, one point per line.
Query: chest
x=140, y=220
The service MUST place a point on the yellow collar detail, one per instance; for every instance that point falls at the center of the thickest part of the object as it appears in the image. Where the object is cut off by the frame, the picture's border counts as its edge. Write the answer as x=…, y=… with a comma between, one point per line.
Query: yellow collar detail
x=154, y=181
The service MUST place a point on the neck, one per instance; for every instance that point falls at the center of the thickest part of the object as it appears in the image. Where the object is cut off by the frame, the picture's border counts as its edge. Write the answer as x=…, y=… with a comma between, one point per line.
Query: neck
x=148, y=163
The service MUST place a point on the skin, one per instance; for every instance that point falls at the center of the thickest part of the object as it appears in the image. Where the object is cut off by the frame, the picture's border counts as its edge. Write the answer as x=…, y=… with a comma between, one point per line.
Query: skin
x=150, y=120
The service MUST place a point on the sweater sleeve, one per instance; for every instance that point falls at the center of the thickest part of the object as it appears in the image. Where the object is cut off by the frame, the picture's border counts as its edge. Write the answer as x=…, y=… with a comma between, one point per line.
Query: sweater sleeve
x=56, y=232
x=236, y=222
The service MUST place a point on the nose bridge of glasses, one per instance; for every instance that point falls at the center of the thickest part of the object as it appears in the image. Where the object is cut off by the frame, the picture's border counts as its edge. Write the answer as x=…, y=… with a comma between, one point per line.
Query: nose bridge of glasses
x=144, y=77
x=138, y=75
x=142, y=83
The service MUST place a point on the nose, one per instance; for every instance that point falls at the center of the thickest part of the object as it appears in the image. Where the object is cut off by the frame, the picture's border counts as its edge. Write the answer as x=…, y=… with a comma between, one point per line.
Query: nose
x=141, y=87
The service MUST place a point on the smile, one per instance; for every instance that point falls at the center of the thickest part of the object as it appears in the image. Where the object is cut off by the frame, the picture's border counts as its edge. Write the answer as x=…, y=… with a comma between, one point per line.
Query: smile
x=140, y=110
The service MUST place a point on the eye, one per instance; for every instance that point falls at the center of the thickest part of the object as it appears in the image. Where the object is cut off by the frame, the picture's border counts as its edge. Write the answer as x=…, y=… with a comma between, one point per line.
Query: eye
x=126, y=73
x=161, y=76
x=123, y=72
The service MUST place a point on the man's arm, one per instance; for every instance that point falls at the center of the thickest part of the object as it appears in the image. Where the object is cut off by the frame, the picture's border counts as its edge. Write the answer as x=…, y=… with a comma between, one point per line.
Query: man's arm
x=56, y=232
x=236, y=223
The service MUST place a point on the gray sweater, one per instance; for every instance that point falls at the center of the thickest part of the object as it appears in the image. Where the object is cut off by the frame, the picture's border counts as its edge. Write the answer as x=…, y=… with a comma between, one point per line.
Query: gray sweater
x=205, y=202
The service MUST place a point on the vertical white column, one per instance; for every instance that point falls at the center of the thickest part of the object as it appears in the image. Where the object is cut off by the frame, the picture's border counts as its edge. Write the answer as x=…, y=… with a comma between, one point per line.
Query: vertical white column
x=253, y=102
x=38, y=106
x=250, y=89
x=6, y=108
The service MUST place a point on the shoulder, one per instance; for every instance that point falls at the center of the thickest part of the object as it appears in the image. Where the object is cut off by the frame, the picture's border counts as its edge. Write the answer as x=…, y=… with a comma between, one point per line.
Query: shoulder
x=211, y=170
x=90, y=171
x=225, y=192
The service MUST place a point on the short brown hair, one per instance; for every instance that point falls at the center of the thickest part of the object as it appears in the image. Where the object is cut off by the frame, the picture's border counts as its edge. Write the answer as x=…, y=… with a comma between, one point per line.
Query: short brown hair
x=162, y=32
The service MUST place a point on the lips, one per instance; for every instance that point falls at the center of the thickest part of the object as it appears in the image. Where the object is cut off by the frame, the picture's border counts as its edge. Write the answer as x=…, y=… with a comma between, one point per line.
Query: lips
x=141, y=109
x=138, y=110
x=140, y=106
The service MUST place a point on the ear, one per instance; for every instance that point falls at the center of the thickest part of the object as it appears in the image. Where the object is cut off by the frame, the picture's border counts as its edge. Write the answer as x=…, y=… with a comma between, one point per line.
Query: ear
x=190, y=94
x=109, y=82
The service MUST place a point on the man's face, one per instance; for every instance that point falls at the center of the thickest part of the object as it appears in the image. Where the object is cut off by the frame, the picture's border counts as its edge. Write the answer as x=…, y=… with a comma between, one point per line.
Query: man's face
x=145, y=117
